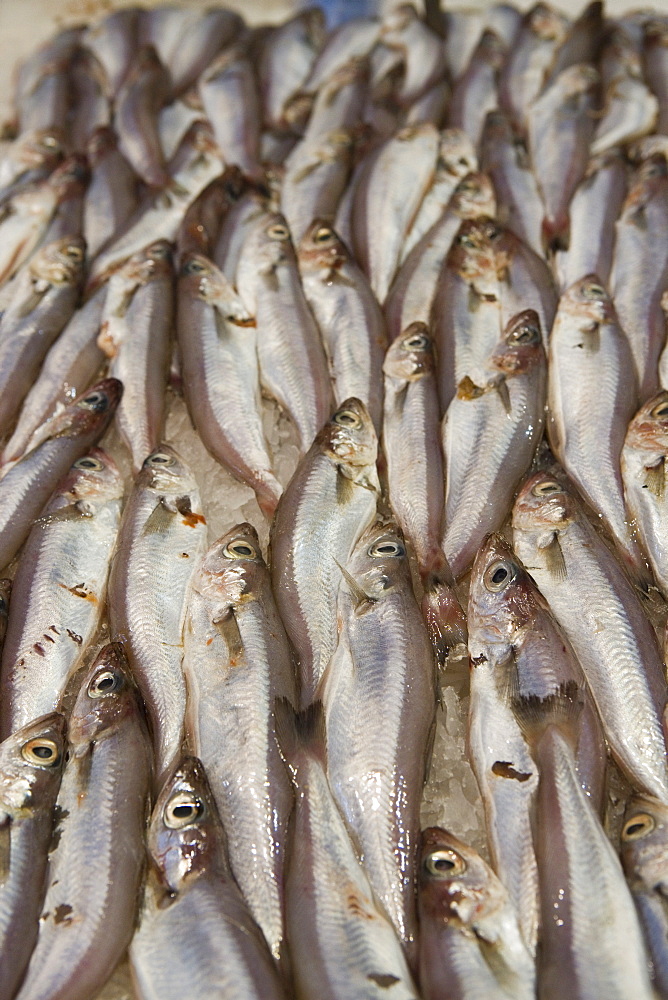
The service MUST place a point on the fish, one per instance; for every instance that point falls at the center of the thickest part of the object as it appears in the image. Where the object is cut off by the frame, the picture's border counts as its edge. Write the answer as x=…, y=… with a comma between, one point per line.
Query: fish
x=630, y=109
x=347, y=947
x=529, y=60
x=31, y=766
x=475, y=92
x=287, y=56
x=575, y=958
x=31, y=158
x=91, y=896
x=315, y=177
x=113, y=39
x=90, y=106
x=337, y=105
x=470, y=938
x=489, y=435
x=146, y=88
x=598, y=608
x=421, y=49
x=202, y=38
x=351, y=322
x=191, y=896
x=354, y=39
x=111, y=196
x=654, y=66
x=589, y=353
x=327, y=505
x=27, y=485
x=229, y=94
x=379, y=699
x=162, y=535
x=237, y=661
x=60, y=589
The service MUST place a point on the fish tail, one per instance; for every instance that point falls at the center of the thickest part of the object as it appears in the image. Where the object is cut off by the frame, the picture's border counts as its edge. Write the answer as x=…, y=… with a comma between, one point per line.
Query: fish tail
x=443, y=616
x=561, y=708
x=300, y=734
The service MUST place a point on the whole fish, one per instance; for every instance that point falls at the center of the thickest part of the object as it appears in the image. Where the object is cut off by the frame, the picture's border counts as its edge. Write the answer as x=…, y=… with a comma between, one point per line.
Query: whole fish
x=590, y=353
x=314, y=180
x=42, y=304
x=111, y=196
x=163, y=533
x=230, y=97
x=70, y=365
x=347, y=312
x=341, y=943
x=562, y=118
x=234, y=228
x=31, y=764
x=195, y=931
x=237, y=661
x=475, y=92
x=529, y=60
x=597, y=607
x=645, y=861
x=145, y=90
x=489, y=434
x=293, y=366
x=28, y=484
x=596, y=206
x=643, y=466
x=640, y=269
x=582, y=885
x=113, y=39
x=415, y=285
x=469, y=935
x=328, y=503
x=379, y=697
x=60, y=589
x=93, y=882
x=137, y=343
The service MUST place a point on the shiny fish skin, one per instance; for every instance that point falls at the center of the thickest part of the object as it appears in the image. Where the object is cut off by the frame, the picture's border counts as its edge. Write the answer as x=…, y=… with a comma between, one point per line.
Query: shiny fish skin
x=196, y=46
x=163, y=532
x=342, y=944
x=421, y=49
x=582, y=884
x=354, y=39
x=489, y=434
x=475, y=92
x=93, y=882
x=229, y=94
x=656, y=67
x=138, y=345
x=596, y=606
x=350, y=320
x=590, y=358
x=90, y=107
x=114, y=40
x=293, y=366
x=470, y=938
x=237, y=661
x=643, y=462
x=111, y=196
x=288, y=55
x=31, y=764
x=315, y=178
x=379, y=697
x=145, y=89
x=195, y=932
x=330, y=500
x=60, y=589
x=27, y=485
x=529, y=60
x=339, y=102
x=630, y=107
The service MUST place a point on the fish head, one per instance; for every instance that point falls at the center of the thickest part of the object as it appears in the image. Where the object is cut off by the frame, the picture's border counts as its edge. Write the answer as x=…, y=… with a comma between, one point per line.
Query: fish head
x=185, y=833
x=70, y=179
x=349, y=437
x=153, y=262
x=272, y=243
x=454, y=883
x=411, y=356
x=544, y=505
x=60, y=262
x=92, y=408
x=94, y=476
x=397, y=20
x=379, y=563
x=648, y=431
x=473, y=252
x=31, y=763
x=164, y=471
x=474, y=196
x=503, y=601
x=39, y=148
x=456, y=153
x=644, y=843
x=321, y=249
x=106, y=697
x=521, y=346
x=547, y=24
x=588, y=302
x=230, y=569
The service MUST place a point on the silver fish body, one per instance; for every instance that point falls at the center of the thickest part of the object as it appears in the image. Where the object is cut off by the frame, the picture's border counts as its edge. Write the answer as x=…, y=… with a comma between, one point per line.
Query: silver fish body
x=475, y=92
x=228, y=90
x=113, y=40
x=145, y=89
x=529, y=60
x=315, y=177
x=111, y=196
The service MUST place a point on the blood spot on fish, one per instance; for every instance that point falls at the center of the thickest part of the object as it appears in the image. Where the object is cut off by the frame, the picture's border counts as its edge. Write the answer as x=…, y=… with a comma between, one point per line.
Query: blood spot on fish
x=383, y=979
x=209, y=641
x=192, y=520
x=189, y=517
x=39, y=649
x=61, y=914
x=73, y=635
x=503, y=769
x=79, y=590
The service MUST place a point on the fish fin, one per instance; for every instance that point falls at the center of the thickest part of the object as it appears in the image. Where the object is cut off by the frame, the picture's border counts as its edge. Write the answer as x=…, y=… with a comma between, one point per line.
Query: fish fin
x=228, y=627
x=655, y=478
x=72, y=512
x=500, y=385
x=467, y=389
x=125, y=302
x=159, y=519
x=358, y=592
x=337, y=278
x=344, y=487
x=300, y=732
x=5, y=849
x=507, y=678
x=270, y=279
x=591, y=341
x=562, y=709
x=306, y=171
x=554, y=559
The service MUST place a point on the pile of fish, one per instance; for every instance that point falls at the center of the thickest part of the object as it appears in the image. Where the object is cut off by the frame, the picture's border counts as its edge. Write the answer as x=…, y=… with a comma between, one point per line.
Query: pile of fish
x=429, y=255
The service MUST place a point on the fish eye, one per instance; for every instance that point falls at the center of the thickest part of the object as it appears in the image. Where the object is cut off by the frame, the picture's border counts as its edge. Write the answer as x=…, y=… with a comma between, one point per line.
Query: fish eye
x=499, y=575
x=160, y=252
x=444, y=863
x=347, y=418
x=95, y=401
x=416, y=342
x=182, y=810
x=638, y=827
x=660, y=410
x=193, y=266
x=240, y=550
x=87, y=462
x=41, y=751
x=159, y=460
x=526, y=333
x=106, y=682
x=492, y=232
x=323, y=234
x=386, y=547
x=592, y=290
x=278, y=232
x=50, y=142
x=74, y=252
x=546, y=488
x=467, y=241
